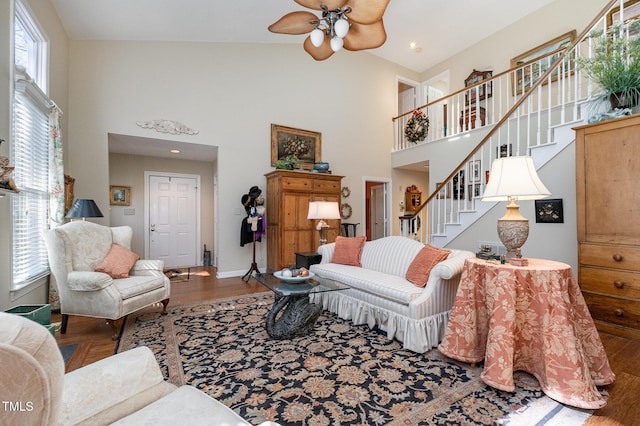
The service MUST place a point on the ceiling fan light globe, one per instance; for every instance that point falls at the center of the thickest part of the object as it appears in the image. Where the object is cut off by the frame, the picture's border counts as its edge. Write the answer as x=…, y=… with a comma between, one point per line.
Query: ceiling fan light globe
x=317, y=37
x=336, y=43
x=341, y=27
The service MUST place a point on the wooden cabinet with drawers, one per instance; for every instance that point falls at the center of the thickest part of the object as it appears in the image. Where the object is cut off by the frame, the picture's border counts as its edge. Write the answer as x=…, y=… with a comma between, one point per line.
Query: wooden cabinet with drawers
x=608, y=220
x=288, y=229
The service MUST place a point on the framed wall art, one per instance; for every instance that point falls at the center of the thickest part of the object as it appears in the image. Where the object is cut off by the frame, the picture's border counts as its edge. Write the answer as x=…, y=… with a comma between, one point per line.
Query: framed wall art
x=630, y=10
x=306, y=145
x=473, y=171
x=534, y=63
x=473, y=190
x=119, y=195
x=549, y=210
x=445, y=192
x=505, y=150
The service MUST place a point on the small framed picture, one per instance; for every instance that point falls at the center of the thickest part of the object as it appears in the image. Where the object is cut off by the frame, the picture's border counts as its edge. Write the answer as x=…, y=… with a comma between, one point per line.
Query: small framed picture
x=505, y=150
x=473, y=171
x=445, y=192
x=549, y=210
x=474, y=191
x=120, y=195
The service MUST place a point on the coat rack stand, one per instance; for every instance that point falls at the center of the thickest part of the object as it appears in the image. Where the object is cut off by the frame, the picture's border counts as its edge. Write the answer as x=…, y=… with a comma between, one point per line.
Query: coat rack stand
x=254, y=266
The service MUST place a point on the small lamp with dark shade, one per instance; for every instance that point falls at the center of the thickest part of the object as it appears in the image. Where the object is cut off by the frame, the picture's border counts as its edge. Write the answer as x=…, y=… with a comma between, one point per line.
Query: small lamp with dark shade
x=83, y=208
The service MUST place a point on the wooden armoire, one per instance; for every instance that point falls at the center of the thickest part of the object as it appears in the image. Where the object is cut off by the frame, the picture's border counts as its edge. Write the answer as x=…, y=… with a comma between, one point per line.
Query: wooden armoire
x=608, y=215
x=288, y=229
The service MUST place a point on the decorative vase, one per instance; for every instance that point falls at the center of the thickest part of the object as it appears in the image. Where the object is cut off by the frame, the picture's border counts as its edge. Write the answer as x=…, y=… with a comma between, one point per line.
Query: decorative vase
x=321, y=166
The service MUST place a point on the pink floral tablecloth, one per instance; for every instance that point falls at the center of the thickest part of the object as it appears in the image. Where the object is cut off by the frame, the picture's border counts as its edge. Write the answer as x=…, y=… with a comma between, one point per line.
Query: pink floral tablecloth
x=531, y=318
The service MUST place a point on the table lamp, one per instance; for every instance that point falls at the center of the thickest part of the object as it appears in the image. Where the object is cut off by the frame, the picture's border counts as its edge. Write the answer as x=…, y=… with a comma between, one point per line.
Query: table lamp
x=82, y=208
x=512, y=179
x=323, y=210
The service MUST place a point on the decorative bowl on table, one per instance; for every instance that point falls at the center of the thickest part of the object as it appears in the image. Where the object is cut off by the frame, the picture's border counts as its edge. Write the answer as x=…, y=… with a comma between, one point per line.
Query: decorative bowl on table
x=298, y=279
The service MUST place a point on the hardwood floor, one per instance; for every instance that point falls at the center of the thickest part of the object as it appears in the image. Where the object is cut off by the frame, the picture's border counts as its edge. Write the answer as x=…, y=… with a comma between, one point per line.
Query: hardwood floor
x=93, y=337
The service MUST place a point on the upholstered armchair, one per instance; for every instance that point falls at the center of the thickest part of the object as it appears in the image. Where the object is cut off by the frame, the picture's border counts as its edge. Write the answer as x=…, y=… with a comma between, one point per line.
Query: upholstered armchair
x=127, y=388
x=79, y=250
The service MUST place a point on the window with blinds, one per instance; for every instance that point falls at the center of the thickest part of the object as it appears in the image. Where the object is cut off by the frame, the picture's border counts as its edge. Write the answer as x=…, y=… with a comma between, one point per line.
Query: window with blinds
x=30, y=157
x=29, y=150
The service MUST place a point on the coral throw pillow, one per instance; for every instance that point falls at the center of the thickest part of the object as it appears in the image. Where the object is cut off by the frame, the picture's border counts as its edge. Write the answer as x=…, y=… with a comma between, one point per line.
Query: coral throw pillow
x=425, y=260
x=348, y=250
x=118, y=262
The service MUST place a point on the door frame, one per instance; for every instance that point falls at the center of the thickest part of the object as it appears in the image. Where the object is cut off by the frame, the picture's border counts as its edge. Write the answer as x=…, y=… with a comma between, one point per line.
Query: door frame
x=387, y=208
x=147, y=175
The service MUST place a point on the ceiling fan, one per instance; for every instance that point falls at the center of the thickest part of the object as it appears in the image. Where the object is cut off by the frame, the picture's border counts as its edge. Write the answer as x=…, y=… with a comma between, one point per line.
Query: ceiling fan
x=352, y=24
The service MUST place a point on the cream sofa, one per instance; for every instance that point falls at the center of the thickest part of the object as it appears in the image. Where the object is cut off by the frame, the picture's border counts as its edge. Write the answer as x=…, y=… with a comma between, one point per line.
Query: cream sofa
x=75, y=249
x=127, y=388
x=381, y=296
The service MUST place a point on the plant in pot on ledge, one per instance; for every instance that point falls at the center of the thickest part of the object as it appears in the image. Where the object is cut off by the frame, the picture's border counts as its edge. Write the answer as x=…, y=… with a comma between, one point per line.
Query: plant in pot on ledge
x=287, y=163
x=615, y=66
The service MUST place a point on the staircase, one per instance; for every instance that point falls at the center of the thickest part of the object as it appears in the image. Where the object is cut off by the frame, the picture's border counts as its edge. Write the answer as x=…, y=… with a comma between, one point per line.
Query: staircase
x=527, y=110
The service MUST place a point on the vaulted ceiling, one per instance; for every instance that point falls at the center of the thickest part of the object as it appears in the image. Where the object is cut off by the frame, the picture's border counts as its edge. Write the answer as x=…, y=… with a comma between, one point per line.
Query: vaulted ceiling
x=439, y=28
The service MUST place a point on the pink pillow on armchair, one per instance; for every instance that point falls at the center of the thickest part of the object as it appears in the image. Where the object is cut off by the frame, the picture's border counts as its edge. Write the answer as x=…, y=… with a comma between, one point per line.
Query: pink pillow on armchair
x=348, y=250
x=118, y=262
x=423, y=263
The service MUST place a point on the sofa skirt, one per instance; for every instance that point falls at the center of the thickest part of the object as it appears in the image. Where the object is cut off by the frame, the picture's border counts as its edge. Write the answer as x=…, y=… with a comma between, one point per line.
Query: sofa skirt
x=417, y=335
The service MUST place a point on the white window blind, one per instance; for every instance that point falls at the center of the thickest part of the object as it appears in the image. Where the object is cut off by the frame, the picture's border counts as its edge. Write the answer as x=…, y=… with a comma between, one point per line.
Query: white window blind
x=30, y=157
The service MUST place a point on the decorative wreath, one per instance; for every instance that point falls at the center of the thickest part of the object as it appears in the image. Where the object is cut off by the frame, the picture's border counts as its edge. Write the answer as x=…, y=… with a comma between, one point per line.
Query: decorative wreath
x=346, y=191
x=417, y=127
x=346, y=211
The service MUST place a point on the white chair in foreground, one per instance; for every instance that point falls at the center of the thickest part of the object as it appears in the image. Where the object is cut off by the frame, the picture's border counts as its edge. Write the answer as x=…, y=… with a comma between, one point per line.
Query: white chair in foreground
x=127, y=388
x=77, y=248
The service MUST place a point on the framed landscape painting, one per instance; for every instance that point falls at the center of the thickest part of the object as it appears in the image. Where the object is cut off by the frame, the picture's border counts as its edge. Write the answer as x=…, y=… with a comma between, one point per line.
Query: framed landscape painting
x=119, y=195
x=306, y=145
x=536, y=61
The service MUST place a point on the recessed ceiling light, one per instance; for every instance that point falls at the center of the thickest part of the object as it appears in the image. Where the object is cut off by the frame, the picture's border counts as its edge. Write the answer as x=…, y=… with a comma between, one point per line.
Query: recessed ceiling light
x=412, y=45
x=175, y=151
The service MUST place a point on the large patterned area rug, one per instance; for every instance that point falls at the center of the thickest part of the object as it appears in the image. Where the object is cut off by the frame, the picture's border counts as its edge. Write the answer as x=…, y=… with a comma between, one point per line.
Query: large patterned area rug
x=340, y=374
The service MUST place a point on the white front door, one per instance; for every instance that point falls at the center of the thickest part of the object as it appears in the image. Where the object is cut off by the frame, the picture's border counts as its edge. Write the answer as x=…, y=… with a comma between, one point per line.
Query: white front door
x=173, y=206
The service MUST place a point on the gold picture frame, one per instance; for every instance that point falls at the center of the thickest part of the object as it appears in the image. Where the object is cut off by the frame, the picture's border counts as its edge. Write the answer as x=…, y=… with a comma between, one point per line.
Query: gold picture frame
x=631, y=10
x=119, y=195
x=531, y=70
x=306, y=145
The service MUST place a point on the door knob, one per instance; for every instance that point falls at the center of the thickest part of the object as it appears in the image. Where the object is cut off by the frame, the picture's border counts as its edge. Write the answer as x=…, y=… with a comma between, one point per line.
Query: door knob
x=153, y=228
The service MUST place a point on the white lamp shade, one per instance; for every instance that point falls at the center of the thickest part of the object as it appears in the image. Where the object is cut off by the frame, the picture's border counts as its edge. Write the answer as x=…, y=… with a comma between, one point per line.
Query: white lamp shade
x=323, y=210
x=514, y=177
x=336, y=43
x=341, y=27
x=317, y=37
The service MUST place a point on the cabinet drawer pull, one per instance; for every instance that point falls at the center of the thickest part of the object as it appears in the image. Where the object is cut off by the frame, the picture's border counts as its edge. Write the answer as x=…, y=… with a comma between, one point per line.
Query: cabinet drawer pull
x=618, y=312
x=617, y=257
x=618, y=284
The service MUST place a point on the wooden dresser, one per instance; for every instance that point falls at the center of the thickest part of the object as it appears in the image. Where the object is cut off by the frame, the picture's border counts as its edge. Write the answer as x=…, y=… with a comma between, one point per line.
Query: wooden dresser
x=608, y=216
x=288, y=229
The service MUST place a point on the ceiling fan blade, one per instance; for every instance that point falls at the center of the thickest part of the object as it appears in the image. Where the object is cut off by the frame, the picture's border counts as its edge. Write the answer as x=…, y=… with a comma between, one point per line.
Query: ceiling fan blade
x=318, y=53
x=366, y=11
x=294, y=23
x=362, y=37
x=315, y=4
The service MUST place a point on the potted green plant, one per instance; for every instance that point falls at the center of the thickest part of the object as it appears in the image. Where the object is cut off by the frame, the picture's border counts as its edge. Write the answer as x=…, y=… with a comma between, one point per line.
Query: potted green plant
x=287, y=163
x=614, y=64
